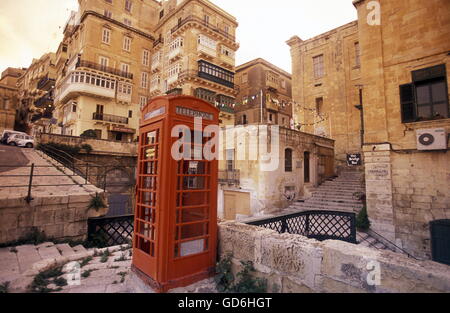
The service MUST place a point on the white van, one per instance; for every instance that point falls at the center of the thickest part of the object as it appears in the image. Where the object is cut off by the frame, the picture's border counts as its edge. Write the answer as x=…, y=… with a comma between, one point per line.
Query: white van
x=21, y=140
x=8, y=133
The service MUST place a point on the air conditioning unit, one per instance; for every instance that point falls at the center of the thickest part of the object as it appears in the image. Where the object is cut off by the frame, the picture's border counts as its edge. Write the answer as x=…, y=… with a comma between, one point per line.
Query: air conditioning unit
x=431, y=139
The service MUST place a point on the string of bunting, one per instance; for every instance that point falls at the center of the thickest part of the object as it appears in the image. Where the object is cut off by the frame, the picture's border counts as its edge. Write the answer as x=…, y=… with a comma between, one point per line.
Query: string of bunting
x=322, y=118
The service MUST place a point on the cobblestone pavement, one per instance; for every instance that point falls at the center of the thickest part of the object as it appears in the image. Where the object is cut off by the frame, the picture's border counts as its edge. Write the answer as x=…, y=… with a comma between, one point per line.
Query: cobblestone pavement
x=45, y=173
x=85, y=271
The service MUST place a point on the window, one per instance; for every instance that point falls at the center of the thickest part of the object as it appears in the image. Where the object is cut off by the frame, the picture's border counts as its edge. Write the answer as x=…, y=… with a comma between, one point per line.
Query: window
x=226, y=29
x=357, y=55
x=244, y=77
x=230, y=159
x=106, y=37
x=126, y=43
x=127, y=22
x=215, y=73
x=244, y=119
x=74, y=108
x=104, y=62
x=108, y=14
x=144, y=80
x=145, y=57
x=319, y=105
x=125, y=68
x=161, y=14
x=427, y=97
x=227, y=51
x=142, y=101
x=128, y=5
x=207, y=42
x=130, y=114
x=318, y=66
x=288, y=160
x=270, y=117
x=109, y=1
x=206, y=19
x=283, y=84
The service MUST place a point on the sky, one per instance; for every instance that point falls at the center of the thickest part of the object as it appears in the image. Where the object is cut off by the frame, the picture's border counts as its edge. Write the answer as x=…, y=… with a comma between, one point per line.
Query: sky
x=30, y=28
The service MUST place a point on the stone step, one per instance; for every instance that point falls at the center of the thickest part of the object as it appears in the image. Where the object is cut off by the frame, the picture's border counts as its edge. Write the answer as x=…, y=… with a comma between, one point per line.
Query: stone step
x=338, y=188
x=48, y=252
x=65, y=250
x=27, y=255
x=336, y=196
x=334, y=204
x=333, y=200
x=307, y=207
x=79, y=249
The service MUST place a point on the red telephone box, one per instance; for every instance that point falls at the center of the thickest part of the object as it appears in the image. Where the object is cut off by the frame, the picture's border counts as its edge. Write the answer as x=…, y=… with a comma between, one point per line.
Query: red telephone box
x=175, y=230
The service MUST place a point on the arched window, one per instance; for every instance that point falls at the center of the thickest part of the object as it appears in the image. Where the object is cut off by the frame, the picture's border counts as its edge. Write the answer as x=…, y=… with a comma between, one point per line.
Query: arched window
x=244, y=119
x=288, y=160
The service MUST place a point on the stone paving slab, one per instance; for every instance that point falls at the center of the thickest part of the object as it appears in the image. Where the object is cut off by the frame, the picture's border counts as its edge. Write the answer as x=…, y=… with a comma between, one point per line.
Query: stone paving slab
x=65, y=249
x=49, y=252
x=27, y=255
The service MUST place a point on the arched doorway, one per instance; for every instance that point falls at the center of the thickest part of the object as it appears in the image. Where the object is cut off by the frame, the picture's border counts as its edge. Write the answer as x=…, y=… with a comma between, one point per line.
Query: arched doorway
x=306, y=167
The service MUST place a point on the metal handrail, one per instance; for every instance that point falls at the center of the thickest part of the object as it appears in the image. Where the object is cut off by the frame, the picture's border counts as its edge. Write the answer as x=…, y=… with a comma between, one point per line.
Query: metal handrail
x=106, y=69
x=393, y=244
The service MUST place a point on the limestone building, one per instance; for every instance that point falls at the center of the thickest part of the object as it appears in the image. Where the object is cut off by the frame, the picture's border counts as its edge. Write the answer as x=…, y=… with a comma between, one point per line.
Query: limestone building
x=194, y=54
x=9, y=97
x=34, y=101
x=254, y=182
x=326, y=78
x=104, y=68
x=391, y=65
x=116, y=55
x=405, y=66
x=265, y=94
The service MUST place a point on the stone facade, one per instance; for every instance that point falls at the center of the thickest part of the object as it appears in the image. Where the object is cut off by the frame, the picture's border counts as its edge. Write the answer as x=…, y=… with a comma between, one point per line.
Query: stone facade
x=252, y=185
x=35, y=101
x=265, y=94
x=295, y=264
x=9, y=101
x=326, y=77
x=194, y=54
x=59, y=217
x=103, y=68
x=407, y=188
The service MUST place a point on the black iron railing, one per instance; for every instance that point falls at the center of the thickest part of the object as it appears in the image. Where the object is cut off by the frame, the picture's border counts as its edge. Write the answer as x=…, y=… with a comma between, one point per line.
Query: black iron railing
x=157, y=42
x=109, y=118
x=190, y=74
x=192, y=18
x=111, y=231
x=102, y=68
x=44, y=102
x=230, y=177
x=320, y=225
x=42, y=84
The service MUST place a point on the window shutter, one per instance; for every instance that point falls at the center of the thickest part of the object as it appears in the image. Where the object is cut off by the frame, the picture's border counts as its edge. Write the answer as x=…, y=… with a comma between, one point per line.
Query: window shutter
x=407, y=103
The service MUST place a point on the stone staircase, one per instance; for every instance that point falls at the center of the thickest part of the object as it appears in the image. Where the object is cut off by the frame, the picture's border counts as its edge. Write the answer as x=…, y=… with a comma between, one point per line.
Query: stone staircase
x=337, y=194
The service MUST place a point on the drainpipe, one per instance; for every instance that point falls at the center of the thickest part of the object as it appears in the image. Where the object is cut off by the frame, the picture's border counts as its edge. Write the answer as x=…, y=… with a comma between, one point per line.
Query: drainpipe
x=361, y=113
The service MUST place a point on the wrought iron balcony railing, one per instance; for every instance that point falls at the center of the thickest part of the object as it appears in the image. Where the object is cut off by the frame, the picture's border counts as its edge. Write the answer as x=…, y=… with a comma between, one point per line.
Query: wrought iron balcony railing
x=192, y=18
x=198, y=74
x=230, y=177
x=46, y=83
x=109, y=118
x=106, y=69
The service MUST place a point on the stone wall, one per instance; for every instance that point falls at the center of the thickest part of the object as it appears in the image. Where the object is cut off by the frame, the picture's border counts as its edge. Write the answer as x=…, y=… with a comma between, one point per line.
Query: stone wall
x=60, y=217
x=292, y=263
x=99, y=146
